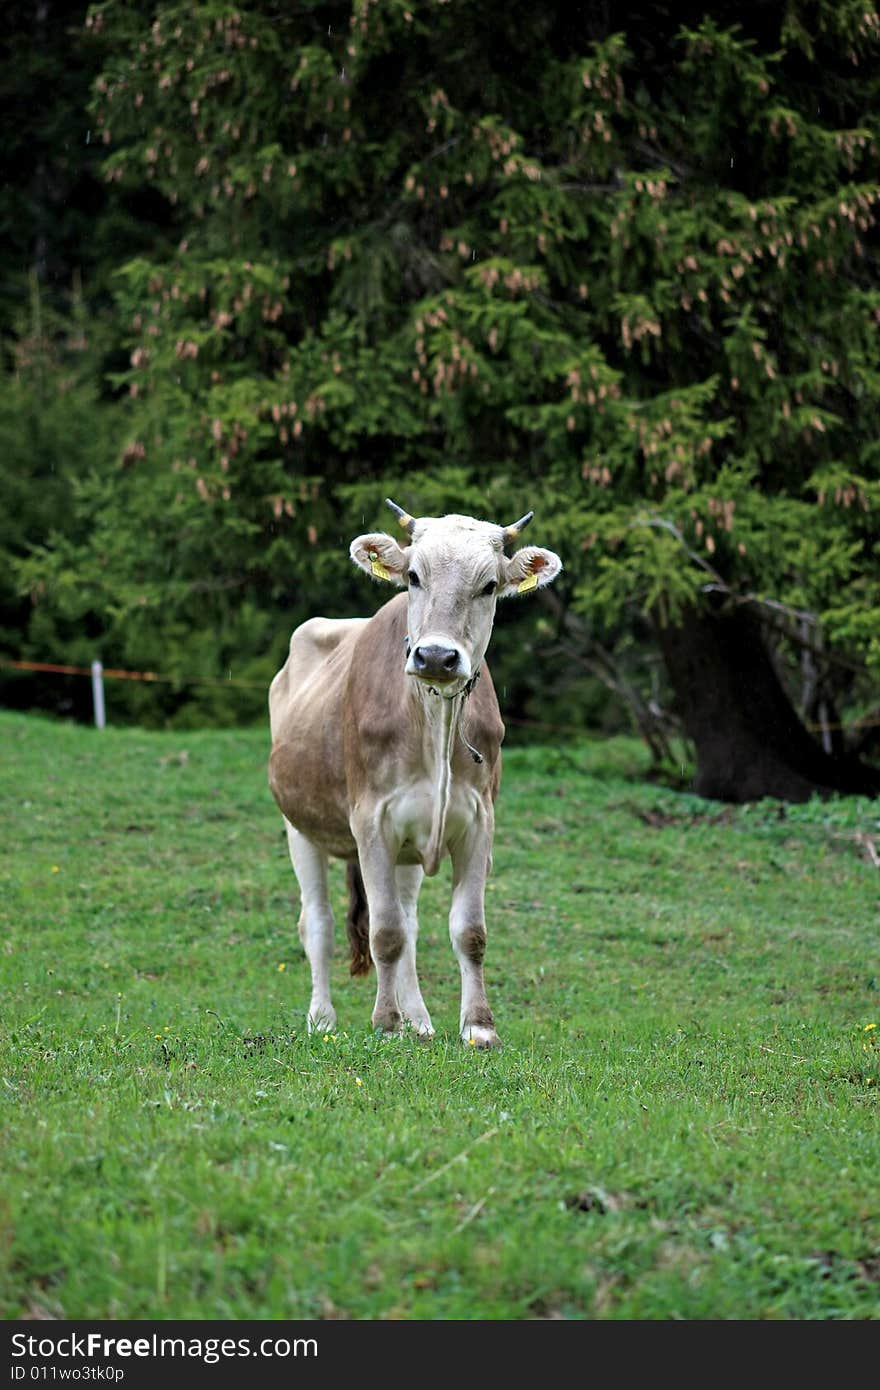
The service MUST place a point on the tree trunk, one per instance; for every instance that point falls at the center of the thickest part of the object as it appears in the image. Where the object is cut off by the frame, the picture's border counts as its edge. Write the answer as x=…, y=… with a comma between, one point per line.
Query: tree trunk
x=749, y=741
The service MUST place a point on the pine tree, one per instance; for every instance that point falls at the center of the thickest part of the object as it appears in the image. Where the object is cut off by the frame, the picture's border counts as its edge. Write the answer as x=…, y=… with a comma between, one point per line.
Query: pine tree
x=618, y=266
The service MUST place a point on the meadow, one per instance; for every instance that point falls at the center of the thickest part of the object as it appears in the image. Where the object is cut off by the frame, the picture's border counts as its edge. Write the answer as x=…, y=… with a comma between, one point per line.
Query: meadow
x=682, y=1122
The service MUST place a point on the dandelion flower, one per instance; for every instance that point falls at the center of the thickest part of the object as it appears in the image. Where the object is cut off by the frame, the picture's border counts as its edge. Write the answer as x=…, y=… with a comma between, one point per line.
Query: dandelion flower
x=357, y=1081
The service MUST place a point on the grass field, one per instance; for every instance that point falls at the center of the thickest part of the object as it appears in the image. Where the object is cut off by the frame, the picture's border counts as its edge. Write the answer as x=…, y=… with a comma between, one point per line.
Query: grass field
x=682, y=1123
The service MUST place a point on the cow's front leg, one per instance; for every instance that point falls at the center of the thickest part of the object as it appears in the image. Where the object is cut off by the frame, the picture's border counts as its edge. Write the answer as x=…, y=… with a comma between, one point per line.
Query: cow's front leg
x=409, y=995
x=467, y=928
x=387, y=925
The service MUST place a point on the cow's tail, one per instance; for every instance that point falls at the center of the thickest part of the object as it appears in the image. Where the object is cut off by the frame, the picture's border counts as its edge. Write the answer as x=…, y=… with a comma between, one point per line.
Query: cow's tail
x=358, y=922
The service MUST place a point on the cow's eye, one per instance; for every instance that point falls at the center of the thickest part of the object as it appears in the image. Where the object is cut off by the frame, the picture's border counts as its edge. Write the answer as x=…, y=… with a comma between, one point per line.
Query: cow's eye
x=488, y=588
x=414, y=581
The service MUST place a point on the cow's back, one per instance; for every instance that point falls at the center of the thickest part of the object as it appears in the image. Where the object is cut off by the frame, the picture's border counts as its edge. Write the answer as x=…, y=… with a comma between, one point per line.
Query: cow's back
x=306, y=766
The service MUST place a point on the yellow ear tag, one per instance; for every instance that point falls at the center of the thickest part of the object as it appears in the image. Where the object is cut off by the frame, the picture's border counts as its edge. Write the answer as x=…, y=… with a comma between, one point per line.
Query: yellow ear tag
x=378, y=568
x=530, y=582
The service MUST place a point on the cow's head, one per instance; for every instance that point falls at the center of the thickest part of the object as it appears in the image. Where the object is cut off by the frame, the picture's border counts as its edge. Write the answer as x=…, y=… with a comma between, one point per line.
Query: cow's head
x=455, y=569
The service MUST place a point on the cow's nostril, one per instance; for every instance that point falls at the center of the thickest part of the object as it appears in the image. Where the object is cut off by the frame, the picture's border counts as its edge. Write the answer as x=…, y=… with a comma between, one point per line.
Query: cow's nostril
x=436, y=662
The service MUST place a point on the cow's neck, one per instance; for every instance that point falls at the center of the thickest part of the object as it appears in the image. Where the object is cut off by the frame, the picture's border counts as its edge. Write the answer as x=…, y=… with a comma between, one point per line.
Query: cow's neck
x=442, y=720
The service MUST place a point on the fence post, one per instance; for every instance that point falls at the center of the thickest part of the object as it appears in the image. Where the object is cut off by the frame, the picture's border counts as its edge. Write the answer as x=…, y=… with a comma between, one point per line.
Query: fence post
x=98, y=694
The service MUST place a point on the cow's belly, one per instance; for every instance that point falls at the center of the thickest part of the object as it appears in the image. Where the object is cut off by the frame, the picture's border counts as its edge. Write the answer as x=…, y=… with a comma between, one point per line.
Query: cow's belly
x=311, y=794
x=334, y=839
x=306, y=702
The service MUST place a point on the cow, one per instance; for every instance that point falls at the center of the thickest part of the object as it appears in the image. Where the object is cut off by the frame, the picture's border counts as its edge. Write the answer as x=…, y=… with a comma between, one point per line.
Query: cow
x=386, y=739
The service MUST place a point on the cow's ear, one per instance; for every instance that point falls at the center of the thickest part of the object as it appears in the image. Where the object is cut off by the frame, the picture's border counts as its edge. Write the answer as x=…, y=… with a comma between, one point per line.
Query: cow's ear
x=381, y=556
x=530, y=568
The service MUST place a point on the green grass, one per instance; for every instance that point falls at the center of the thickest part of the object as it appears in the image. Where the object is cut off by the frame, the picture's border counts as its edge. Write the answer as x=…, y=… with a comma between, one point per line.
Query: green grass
x=682, y=1123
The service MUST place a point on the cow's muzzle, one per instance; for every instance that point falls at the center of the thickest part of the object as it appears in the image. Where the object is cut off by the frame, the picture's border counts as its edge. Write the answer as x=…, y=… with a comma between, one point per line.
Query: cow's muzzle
x=437, y=664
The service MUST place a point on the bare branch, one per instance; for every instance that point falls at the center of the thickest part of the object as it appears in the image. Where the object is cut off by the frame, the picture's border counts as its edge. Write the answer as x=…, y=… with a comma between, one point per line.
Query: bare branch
x=651, y=723
x=718, y=585
x=662, y=523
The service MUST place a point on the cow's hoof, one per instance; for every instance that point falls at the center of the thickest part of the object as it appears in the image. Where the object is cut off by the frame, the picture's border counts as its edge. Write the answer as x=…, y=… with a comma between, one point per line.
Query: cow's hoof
x=421, y=1032
x=421, y=1028
x=476, y=1035
x=388, y=1025
x=321, y=1021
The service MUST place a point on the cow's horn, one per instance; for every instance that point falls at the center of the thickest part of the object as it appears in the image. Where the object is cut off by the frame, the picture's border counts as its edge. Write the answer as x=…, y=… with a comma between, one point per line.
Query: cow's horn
x=404, y=519
x=511, y=532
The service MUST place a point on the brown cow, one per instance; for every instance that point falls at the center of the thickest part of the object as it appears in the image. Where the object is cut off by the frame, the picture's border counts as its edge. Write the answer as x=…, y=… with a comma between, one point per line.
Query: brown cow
x=386, y=739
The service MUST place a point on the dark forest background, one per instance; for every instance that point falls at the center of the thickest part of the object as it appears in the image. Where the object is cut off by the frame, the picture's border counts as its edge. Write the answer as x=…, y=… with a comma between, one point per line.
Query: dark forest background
x=264, y=265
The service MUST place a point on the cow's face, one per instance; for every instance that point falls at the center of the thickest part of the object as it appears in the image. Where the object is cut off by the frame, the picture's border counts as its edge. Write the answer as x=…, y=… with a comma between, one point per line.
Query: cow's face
x=455, y=570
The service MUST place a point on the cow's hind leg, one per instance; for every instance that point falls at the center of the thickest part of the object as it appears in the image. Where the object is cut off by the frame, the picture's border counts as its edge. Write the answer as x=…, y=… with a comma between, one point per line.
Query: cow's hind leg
x=315, y=923
x=409, y=995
